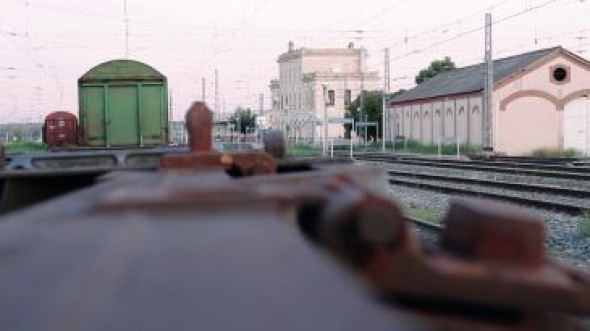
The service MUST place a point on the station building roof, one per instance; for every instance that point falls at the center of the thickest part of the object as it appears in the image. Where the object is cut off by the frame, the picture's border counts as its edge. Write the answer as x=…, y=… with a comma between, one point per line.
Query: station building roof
x=471, y=79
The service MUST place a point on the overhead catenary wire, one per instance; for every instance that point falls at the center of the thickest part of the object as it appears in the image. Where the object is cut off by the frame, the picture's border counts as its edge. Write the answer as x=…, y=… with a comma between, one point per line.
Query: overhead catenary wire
x=479, y=28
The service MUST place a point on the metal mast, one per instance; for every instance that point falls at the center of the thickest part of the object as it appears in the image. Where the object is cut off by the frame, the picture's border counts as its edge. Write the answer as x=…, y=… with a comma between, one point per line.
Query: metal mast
x=126, y=29
x=325, y=135
x=362, y=97
x=386, y=88
x=488, y=137
x=217, y=94
x=203, y=89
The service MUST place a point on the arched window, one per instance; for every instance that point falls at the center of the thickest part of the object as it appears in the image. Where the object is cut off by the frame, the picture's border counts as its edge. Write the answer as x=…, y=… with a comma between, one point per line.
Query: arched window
x=416, y=114
x=437, y=112
x=426, y=113
x=407, y=114
x=475, y=110
x=449, y=112
x=461, y=110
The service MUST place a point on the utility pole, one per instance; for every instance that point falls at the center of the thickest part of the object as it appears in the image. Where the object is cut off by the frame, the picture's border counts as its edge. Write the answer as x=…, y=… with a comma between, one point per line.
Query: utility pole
x=170, y=104
x=366, y=121
x=362, y=97
x=126, y=29
x=261, y=103
x=586, y=150
x=488, y=137
x=216, y=94
x=325, y=140
x=385, y=96
x=203, y=90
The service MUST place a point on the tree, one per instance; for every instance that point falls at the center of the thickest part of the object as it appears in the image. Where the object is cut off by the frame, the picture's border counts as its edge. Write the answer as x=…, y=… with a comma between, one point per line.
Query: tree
x=243, y=120
x=373, y=109
x=435, y=68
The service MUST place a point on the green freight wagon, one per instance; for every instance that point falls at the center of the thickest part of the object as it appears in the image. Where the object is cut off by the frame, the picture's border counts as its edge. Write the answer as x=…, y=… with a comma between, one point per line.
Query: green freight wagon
x=123, y=103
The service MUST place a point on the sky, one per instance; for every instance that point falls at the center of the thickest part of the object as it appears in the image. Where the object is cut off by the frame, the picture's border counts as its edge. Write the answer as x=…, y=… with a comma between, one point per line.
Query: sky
x=46, y=45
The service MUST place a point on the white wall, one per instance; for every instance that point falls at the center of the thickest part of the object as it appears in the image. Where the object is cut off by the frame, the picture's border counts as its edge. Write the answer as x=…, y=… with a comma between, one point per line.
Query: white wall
x=476, y=121
x=427, y=123
x=576, y=124
x=462, y=120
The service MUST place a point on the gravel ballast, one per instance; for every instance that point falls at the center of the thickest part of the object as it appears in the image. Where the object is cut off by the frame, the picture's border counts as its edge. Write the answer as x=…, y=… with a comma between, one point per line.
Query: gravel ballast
x=564, y=240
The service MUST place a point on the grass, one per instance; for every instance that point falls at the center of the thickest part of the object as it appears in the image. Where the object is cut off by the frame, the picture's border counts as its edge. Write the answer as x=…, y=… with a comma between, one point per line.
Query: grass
x=411, y=147
x=303, y=150
x=24, y=147
x=556, y=153
x=415, y=147
x=584, y=226
x=427, y=215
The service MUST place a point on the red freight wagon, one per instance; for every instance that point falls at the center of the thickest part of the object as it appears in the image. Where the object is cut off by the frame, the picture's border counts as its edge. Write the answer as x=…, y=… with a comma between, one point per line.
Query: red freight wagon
x=60, y=129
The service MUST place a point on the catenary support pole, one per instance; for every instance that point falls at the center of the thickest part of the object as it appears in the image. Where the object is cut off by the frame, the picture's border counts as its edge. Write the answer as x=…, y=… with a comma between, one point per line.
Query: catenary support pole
x=385, y=98
x=488, y=142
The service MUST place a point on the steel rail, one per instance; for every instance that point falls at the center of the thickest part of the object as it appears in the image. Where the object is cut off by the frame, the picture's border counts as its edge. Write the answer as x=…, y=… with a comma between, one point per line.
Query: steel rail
x=513, y=164
x=539, y=203
x=525, y=187
x=516, y=171
x=425, y=224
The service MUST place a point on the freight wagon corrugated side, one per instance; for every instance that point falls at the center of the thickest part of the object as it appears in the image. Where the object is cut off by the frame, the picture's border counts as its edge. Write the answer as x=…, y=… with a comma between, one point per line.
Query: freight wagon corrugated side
x=123, y=103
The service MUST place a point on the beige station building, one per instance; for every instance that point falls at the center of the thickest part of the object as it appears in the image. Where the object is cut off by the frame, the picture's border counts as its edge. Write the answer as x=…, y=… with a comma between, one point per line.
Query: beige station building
x=541, y=99
x=311, y=79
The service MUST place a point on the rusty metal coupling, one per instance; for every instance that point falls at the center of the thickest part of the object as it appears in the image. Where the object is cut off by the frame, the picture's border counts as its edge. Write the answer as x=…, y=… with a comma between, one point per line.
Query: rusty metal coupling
x=491, y=255
x=199, y=124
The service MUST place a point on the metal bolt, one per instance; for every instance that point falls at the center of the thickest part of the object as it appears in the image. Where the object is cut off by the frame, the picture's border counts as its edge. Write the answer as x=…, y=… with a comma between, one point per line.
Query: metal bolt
x=357, y=225
x=199, y=125
x=494, y=232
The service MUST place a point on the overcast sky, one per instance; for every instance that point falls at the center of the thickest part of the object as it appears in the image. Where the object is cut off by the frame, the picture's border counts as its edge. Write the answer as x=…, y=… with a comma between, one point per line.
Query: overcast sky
x=46, y=45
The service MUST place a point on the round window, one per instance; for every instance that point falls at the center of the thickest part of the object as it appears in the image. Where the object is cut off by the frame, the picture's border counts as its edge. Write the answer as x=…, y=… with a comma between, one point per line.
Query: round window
x=559, y=74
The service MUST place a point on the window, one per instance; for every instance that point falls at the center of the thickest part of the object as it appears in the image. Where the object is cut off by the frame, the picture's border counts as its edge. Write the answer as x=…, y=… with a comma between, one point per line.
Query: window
x=449, y=112
x=559, y=74
x=437, y=113
x=61, y=123
x=461, y=110
x=416, y=114
x=426, y=113
x=347, y=97
x=331, y=98
x=475, y=110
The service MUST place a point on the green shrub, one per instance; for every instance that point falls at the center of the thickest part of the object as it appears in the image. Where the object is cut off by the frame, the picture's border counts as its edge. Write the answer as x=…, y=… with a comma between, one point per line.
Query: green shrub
x=303, y=150
x=584, y=225
x=416, y=147
x=24, y=147
x=556, y=153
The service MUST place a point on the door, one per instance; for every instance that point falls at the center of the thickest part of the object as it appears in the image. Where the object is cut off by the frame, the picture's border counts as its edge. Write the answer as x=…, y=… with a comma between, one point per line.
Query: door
x=576, y=124
x=153, y=114
x=122, y=114
x=93, y=115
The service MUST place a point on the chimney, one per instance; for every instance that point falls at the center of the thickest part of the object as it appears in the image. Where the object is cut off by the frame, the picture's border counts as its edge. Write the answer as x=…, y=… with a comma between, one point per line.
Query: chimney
x=291, y=46
x=350, y=45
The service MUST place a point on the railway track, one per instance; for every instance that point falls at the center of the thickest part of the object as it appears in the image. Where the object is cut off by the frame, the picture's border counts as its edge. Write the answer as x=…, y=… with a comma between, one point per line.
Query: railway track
x=521, y=187
x=573, y=173
x=430, y=226
x=551, y=197
x=443, y=187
